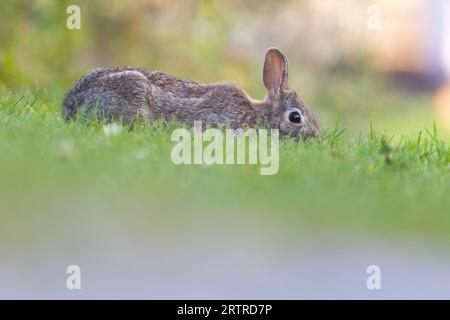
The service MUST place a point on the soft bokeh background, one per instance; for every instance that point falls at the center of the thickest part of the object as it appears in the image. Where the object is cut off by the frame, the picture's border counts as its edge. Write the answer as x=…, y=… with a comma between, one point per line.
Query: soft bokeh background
x=385, y=60
x=140, y=227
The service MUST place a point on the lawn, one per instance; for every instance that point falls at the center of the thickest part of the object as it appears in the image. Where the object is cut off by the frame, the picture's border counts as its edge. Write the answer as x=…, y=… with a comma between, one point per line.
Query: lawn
x=372, y=183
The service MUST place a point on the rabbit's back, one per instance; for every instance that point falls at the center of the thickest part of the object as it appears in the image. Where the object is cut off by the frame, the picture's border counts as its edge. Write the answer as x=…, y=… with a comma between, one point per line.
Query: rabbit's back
x=128, y=93
x=109, y=94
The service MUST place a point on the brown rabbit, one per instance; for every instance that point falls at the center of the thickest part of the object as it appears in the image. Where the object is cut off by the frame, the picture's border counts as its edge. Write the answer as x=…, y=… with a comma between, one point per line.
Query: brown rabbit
x=127, y=94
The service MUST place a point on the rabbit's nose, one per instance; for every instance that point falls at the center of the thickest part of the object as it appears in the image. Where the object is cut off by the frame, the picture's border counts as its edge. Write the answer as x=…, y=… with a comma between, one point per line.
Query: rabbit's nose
x=313, y=131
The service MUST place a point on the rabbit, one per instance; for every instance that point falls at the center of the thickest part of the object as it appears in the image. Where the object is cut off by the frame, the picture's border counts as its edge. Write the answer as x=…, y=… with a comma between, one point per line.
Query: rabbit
x=128, y=94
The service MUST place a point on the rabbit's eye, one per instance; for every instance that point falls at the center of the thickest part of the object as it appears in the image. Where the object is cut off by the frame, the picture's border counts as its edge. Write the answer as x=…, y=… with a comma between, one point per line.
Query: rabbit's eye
x=295, y=117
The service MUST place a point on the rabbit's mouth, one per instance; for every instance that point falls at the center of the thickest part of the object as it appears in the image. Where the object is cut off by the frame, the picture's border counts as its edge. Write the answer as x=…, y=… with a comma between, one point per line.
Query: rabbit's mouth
x=304, y=130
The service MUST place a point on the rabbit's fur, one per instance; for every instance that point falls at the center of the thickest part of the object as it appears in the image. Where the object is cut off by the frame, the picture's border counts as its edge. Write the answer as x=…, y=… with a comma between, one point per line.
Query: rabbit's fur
x=128, y=94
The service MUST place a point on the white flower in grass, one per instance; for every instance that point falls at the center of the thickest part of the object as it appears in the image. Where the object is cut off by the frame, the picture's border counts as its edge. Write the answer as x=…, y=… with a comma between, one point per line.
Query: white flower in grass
x=112, y=129
x=142, y=154
x=66, y=150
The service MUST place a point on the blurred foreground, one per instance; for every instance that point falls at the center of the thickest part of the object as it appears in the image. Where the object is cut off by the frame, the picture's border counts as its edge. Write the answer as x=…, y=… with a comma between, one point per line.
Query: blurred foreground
x=134, y=254
x=141, y=227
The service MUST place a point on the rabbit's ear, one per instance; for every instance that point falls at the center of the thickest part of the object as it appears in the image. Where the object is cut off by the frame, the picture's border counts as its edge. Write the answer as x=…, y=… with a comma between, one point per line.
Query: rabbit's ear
x=275, y=73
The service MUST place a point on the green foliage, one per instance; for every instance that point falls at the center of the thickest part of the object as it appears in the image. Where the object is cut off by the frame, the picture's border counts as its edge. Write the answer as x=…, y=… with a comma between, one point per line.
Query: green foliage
x=372, y=183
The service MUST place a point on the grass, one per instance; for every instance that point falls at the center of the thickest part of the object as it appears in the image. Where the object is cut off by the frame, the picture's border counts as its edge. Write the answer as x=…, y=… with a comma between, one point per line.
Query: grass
x=368, y=183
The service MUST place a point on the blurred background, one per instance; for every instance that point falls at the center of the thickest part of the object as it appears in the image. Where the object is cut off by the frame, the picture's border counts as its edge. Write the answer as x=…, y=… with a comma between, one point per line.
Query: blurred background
x=140, y=227
x=386, y=60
